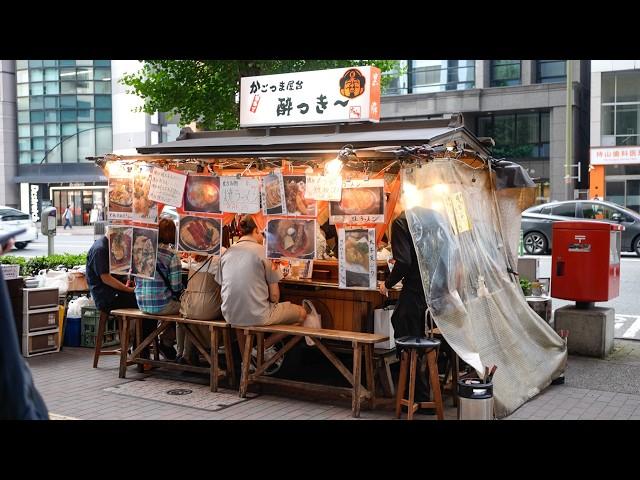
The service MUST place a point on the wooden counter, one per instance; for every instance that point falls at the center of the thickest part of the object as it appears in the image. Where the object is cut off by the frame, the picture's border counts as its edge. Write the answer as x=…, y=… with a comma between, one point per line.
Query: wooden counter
x=341, y=309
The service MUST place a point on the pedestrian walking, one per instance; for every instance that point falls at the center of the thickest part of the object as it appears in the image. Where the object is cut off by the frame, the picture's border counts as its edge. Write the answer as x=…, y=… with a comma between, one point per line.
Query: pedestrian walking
x=67, y=215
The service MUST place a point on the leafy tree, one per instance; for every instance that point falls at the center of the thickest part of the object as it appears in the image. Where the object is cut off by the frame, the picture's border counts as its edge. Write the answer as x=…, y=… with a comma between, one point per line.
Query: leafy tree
x=206, y=91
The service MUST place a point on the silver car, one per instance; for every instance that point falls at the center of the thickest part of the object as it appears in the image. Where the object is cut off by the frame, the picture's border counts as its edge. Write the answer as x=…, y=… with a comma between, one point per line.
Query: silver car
x=537, y=222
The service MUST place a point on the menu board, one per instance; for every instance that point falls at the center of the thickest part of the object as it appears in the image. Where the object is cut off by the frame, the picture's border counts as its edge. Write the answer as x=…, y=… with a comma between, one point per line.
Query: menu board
x=362, y=201
x=200, y=234
x=167, y=187
x=120, y=198
x=273, y=199
x=323, y=187
x=133, y=250
x=144, y=209
x=291, y=238
x=239, y=195
x=295, y=187
x=357, y=266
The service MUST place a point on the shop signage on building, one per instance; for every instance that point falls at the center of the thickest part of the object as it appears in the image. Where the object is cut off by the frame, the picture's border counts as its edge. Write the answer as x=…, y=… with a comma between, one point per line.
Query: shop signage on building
x=34, y=202
x=615, y=155
x=323, y=96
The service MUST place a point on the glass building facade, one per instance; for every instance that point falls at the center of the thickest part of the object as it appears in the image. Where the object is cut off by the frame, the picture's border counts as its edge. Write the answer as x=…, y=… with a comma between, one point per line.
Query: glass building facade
x=64, y=110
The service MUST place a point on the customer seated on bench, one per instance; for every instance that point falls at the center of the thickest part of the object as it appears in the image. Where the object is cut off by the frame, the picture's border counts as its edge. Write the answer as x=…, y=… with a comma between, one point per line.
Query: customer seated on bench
x=159, y=296
x=250, y=292
x=201, y=300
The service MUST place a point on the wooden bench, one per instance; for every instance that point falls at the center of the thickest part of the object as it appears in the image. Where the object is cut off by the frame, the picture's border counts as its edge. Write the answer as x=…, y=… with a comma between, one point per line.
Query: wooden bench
x=358, y=342
x=215, y=327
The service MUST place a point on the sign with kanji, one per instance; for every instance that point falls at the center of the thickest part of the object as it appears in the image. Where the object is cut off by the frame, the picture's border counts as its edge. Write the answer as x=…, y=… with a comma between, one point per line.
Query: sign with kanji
x=323, y=187
x=167, y=187
x=357, y=265
x=239, y=195
x=323, y=96
x=615, y=155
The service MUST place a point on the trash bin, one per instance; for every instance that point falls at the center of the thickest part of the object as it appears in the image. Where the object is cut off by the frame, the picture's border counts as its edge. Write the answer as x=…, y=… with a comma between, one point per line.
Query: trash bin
x=99, y=228
x=475, y=400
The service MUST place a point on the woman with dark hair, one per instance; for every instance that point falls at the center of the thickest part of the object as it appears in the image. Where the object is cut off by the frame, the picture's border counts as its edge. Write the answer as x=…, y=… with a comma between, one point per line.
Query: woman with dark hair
x=161, y=294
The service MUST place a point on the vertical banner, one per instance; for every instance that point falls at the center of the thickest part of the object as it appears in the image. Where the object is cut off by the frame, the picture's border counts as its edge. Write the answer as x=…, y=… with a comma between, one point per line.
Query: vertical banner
x=357, y=266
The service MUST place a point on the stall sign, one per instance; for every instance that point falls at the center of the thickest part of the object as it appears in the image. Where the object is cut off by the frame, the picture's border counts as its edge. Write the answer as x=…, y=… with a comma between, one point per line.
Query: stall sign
x=239, y=195
x=456, y=209
x=167, y=187
x=323, y=187
x=323, y=96
x=34, y=197
x=363, y=201
x=615, y=156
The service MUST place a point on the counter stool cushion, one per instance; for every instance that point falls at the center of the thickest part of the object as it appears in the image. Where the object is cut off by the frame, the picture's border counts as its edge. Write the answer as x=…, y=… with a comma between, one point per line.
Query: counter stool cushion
x=422, y=343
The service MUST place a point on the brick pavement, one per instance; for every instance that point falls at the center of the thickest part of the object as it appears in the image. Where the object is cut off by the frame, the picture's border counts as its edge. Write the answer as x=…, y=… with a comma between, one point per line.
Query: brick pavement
x=71, y=388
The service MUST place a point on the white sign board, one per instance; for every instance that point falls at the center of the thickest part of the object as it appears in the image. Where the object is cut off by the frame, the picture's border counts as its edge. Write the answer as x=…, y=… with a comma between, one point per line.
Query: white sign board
x=324, y=187
x=615, y=156
x=323, y=96
x=239, y=195
x=357, y=265
x=167, y=187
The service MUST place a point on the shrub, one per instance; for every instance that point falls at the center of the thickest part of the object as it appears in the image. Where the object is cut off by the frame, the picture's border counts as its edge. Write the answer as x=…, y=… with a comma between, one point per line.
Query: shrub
x=31, y=266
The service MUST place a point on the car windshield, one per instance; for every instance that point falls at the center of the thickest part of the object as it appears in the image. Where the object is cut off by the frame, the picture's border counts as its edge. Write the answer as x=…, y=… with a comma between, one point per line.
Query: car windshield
x=9, y=214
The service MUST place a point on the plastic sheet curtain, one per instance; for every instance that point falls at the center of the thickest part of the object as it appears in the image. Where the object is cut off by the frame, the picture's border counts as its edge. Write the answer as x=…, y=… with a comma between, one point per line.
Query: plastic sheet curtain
x=454, y=217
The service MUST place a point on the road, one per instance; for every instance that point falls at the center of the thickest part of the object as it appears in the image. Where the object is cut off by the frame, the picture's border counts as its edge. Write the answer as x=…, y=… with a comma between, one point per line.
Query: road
x=63, y=242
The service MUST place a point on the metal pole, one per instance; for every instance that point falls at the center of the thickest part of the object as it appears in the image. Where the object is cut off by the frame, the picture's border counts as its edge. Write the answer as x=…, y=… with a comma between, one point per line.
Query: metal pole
x=569, y=131
x=50, y=244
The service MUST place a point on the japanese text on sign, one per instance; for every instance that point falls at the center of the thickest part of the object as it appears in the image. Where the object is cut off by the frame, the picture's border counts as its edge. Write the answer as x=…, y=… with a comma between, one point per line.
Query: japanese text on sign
x=239, y=195
x=167, y=187
x=324, y=187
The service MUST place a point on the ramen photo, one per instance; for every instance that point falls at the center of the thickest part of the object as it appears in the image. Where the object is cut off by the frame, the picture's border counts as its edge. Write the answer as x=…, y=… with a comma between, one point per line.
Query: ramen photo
x=272, y=197
x=199, y=235
x=294, y=187
x=143, y=207
x=145, y=248
x=120, y=249
x=360, y=201
x=120, y=194
x=290, y=238
x=202, y=194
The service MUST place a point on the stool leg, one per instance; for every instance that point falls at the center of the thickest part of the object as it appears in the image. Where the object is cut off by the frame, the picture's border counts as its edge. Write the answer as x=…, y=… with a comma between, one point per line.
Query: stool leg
x=402, y=383
x=357, y=369
x=435, y=382
x=412, y=383
x=214, y=359
x=371, y=381
x=102, y=321
x=454, y=377
x=246, y=360
x=231, y=372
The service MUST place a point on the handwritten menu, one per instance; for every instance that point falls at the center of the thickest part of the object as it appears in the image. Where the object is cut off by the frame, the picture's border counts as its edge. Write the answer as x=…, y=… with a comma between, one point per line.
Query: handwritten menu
x=167, y=187
x=240, y=195
x=324, y=187
x=357, y=265
x=457, y=212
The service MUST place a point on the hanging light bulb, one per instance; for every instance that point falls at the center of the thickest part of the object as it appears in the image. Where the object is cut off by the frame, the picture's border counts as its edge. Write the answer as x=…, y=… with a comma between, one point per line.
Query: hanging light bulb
x=333, y=167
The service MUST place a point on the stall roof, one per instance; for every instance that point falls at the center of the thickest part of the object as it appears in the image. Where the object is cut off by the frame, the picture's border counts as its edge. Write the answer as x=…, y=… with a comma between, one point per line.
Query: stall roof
x=323, y=139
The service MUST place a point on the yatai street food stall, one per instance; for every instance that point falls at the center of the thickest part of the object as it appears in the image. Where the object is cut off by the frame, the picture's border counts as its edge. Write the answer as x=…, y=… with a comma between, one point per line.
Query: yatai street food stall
x=326, y=194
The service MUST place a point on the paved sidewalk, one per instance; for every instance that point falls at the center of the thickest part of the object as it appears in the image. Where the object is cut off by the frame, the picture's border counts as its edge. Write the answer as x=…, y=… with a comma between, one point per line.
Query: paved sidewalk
x=594, y=389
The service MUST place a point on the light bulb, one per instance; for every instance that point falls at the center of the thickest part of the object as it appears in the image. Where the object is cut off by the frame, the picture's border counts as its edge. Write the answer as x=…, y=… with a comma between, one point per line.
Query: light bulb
x=333, y=167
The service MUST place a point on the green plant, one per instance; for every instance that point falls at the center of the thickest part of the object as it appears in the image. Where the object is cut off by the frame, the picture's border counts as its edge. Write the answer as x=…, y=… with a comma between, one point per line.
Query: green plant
x=526, y=286
x=31, y=266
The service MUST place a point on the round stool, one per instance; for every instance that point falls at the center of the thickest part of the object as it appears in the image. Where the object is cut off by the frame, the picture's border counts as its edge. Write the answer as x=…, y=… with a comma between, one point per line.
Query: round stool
x=409, y=347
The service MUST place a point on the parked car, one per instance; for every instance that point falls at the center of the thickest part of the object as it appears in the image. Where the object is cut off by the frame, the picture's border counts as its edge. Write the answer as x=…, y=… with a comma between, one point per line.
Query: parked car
x=537, y=222
x=12, y=219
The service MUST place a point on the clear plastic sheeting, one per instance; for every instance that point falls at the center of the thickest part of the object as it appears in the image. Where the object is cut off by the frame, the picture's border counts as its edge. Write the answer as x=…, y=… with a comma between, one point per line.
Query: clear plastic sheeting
x=454, y=218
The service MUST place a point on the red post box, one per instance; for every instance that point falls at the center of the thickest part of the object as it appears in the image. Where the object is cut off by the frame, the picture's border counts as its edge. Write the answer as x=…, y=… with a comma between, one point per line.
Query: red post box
x=585, y=264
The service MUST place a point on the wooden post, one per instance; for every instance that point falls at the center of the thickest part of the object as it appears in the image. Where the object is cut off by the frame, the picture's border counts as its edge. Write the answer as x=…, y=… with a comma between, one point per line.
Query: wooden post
x=228, y=354
x=432, y=363
x=214, y=358
x=124, y=347
x=357, y=360
x=402, y=383
x=246, y=360
x=371, y=381
x=412, y=383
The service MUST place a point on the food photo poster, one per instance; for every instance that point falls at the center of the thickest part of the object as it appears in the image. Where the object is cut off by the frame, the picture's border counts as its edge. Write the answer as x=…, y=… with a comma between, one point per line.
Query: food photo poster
x=357, y=266
x=145, y=251
x=120, y=198
x=291, y=238
x=294, y=194
x=273, y=198
x=202, y=194
x=200, y=234
x=144, y=209
x=120, y=249
x=362, y=202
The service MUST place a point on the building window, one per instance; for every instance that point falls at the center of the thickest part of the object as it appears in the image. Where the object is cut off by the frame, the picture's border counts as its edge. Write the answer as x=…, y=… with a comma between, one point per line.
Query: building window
x=517, y=135
x=620, y=114
x=428, y=76
x=505, y=73
x=551, y=71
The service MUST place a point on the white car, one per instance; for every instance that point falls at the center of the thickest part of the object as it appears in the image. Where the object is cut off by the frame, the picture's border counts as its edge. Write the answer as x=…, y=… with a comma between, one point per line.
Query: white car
x=12, y=219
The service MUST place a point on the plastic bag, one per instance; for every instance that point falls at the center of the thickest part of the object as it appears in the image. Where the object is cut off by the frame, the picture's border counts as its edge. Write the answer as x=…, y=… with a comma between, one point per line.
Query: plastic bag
x=312, y=320
x=74, y=309
x=57, y=279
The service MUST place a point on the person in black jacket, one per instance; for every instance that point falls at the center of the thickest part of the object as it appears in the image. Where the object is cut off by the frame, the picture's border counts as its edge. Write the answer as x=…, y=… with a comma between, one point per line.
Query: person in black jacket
x=409, y=315
x=19, y=398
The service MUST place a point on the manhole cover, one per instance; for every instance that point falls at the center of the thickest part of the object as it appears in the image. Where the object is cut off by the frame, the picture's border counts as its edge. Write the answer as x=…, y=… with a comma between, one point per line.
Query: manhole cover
x=180, y=391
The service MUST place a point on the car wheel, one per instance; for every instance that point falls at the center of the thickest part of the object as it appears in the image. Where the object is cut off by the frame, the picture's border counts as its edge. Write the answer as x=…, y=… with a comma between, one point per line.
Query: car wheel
x=636, y=246
x=535, y=243
x=21, y=245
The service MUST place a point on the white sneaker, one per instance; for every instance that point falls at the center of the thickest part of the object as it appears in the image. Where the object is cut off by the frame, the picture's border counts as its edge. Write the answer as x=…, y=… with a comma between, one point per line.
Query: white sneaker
x=268, y=354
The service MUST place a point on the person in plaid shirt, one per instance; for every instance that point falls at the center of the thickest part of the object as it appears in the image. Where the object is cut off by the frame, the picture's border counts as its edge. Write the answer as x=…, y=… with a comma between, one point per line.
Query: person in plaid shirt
x=161, y=294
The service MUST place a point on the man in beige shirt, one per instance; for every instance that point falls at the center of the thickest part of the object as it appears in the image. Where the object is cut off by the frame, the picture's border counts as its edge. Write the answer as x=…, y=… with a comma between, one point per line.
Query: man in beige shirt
x=250, y=291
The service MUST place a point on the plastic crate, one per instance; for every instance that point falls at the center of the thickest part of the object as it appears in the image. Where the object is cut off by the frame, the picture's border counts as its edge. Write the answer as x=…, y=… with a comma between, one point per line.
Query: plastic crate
x=89, y=328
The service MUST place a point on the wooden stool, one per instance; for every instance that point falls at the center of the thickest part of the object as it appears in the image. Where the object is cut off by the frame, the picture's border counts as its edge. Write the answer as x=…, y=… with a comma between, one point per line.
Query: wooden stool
x=409, y=347
x=451, y=367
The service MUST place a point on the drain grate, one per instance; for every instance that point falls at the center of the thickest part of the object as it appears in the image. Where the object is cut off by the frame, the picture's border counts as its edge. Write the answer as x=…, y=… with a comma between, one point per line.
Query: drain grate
x=179, y=391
